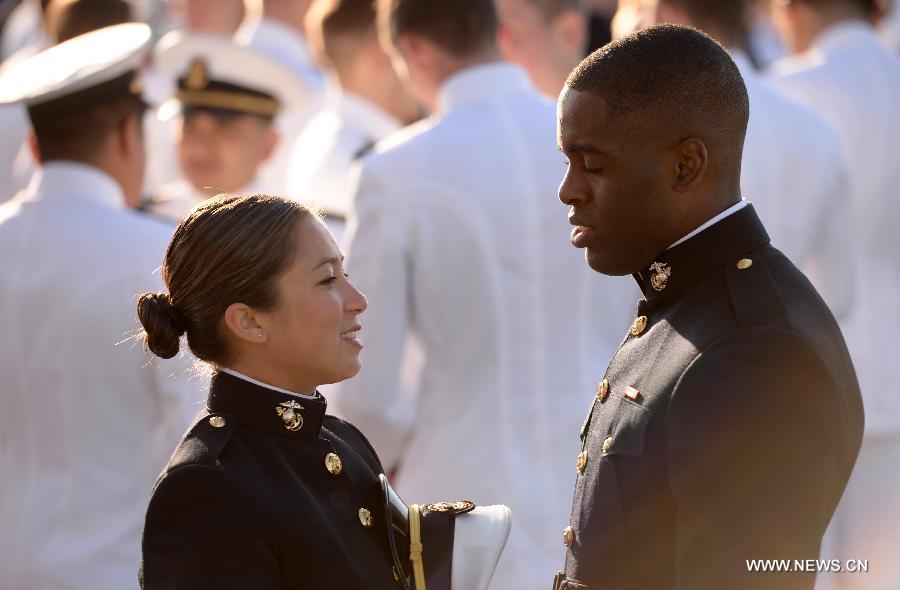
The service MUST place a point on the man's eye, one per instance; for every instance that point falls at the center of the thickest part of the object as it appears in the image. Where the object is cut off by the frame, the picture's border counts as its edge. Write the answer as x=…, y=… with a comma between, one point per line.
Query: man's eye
x=592, y=170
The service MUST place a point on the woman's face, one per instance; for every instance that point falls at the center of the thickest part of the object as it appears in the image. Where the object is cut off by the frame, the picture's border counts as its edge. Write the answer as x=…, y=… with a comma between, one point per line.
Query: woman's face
x=312, y=332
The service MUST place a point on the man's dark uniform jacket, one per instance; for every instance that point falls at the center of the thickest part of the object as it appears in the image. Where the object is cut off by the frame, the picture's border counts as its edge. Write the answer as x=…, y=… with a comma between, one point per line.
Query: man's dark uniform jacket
x=725, y=428
x=267, y=492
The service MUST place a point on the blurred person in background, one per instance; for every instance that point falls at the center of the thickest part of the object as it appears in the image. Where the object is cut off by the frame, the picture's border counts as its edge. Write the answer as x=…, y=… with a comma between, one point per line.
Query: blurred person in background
x=212, y=17
x=62, y=20
x=546, y=37
x=840, y=68
x=86, y=424
x=276, y=28
x=792, y=169
x=227, y=99
x=600, y=14
x=455, y=236
x=365, y=103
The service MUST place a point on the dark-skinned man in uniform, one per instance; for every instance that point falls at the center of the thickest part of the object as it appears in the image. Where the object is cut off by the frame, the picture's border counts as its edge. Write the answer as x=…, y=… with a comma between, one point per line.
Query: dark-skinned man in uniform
x=729, y=419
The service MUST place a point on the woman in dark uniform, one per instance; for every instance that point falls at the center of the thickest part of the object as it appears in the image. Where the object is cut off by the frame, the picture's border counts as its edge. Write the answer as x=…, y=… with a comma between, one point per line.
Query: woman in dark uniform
x=265, y=491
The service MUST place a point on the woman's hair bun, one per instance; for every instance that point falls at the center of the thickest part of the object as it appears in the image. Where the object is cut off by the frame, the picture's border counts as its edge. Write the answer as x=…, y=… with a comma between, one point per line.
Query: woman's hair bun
x=163, y=324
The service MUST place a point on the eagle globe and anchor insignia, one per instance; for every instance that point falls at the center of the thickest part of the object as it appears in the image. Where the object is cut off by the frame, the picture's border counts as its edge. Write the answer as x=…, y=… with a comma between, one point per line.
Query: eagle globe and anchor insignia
x=661, y=273
x=291, y=418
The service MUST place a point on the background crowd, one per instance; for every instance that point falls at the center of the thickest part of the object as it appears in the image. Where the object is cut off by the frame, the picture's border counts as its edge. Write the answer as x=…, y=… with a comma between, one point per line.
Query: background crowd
x=486, y=334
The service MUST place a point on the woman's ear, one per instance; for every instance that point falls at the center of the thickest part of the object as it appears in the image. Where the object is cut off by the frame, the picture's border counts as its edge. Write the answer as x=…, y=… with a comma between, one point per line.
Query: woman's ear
x=242, y=323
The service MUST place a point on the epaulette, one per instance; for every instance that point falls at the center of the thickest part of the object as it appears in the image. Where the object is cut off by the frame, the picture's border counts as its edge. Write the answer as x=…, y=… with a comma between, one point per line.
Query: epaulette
x=754, y=294
x=205, y=440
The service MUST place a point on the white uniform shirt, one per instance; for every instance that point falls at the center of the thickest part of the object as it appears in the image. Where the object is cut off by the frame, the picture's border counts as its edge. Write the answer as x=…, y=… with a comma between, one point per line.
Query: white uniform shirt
x=175, y=200
x=86, y=425
x=322, y=158
x=793, y=172
x=289, y=48
x=457, y=234
x=852, y=79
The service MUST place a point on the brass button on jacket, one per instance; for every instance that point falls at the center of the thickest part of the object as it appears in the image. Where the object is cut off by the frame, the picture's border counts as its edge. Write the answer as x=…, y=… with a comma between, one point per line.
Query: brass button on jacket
x=568, y=536
x=333, y=464
x=602, y=390
x=639, y=325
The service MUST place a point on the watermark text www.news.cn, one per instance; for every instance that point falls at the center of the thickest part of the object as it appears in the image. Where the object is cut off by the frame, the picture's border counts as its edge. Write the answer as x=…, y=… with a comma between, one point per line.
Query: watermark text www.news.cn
x=808, y=565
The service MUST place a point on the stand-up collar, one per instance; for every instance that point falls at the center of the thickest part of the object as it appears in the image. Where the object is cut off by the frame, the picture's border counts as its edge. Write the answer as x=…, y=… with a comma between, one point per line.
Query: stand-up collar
x=59, y=179
x=699, y=256
x=481, y=82
x=265, y=408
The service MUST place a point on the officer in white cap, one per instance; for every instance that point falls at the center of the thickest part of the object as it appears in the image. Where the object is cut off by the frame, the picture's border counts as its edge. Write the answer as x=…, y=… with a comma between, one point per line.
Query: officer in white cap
x=228, y=98
x=86, y=424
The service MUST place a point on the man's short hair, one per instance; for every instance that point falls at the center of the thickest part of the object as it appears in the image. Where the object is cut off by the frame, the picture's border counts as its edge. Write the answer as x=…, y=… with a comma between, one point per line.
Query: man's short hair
x=728, y=18
x=672, y=76
x=79, y=133
x=69, y=18
x=342, y=25
x=461, y=27
x=550, y=9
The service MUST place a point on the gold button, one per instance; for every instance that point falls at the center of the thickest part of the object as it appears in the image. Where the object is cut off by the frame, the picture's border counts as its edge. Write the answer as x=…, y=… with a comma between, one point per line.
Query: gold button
x=216, y=421
x=582, y=461
x=607, y=444
x=333, y=464
x=568, y=536
x=396, y=573
x=602, y=390
x=744, y=263
x=639, y=324
x=365, y=517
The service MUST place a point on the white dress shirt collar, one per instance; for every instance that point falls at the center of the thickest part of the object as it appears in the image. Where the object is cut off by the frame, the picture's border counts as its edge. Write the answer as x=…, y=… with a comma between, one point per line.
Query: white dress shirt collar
x=63, y=179
x=365, y=115
x=843, y=36
x=730, y=211
x=234, y=373
x=481, y=82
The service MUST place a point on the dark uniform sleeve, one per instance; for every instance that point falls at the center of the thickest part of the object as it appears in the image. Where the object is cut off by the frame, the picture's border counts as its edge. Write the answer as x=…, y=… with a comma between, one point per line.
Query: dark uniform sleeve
x=755, y=430
x=205, y=531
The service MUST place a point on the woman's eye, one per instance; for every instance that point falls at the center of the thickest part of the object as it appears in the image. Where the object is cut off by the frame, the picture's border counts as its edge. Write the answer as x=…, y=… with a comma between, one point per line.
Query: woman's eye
x=329, y=281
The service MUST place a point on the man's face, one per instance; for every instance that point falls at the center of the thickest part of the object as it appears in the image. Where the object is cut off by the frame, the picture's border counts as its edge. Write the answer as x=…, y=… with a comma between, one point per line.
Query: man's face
x=221, y=152
x=615, y=185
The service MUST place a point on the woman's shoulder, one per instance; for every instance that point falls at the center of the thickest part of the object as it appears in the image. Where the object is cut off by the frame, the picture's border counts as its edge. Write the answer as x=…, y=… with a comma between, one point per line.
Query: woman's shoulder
x=204, y=441
x=353, y=436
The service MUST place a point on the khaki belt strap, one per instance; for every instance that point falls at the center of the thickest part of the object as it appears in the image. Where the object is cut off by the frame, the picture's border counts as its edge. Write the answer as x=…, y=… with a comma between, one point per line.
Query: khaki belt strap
x=415, y=547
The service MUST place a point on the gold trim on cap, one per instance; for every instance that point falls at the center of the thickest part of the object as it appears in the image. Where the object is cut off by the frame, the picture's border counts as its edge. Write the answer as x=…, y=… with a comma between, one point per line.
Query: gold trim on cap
x=217, y=99
x=415, y=546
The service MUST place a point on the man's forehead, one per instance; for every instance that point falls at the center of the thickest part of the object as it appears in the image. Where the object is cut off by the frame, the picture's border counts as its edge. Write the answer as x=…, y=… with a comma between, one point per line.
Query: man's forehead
x=580, y=114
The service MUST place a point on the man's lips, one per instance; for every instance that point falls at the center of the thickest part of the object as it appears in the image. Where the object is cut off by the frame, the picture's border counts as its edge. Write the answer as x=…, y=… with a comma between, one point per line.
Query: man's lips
x=581, y=234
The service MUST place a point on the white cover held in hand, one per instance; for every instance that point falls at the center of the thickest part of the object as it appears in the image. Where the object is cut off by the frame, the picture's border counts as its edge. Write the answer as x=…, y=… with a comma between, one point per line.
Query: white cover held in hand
x=478, y=540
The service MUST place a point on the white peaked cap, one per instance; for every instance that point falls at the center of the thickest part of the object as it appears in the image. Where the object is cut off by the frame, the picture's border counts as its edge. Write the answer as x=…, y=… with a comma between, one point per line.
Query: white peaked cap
x=479, y=537
x=77, y=65
x=227, y=62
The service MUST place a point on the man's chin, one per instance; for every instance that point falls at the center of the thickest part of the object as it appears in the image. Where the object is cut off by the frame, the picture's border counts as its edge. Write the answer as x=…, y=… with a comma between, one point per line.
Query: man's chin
x=606, y=264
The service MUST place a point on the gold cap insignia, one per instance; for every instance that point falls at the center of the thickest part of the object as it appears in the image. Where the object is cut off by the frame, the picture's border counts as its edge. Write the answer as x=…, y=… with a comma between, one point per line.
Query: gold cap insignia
x=292, y=419
x=660, y=277
x=198, y=76
x=455, y=508
x=365, y=518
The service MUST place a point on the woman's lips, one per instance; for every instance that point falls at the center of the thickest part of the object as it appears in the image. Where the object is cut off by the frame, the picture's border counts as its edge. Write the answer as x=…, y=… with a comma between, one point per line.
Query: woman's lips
x=581, y=236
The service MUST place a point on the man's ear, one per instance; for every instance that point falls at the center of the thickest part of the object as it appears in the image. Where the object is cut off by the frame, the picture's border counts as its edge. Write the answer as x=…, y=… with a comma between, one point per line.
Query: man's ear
x=273, y=137
x=690, y=162
x=241, y=321
x=34, y=149
x=130, y=134
x=570, y=30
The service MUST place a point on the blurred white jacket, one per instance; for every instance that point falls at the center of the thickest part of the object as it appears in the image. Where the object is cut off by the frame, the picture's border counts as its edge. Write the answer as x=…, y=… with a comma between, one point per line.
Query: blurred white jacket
x=793, y=172
x=854, y=81
x=322, y=159
x=457, y=236
x=86, y=424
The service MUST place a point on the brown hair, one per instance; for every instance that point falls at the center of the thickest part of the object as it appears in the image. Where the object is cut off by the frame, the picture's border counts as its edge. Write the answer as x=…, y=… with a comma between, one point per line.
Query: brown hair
x=78, y=133
x=230, y=249
x=340, y=26
x=462, y=27
x=66, y=19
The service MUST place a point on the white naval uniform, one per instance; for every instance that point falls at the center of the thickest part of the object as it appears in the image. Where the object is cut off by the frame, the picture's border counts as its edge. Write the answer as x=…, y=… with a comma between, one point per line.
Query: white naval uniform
x=851, y=78
x=793, y=172
x=86, y=423
x=457, y=234
x=172, y=202
x=289, y=48
x=322, y=158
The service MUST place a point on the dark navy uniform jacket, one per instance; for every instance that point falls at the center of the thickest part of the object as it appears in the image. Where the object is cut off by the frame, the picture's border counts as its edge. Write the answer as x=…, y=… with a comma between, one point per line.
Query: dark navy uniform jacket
x=724, y=431
x=266, y=495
